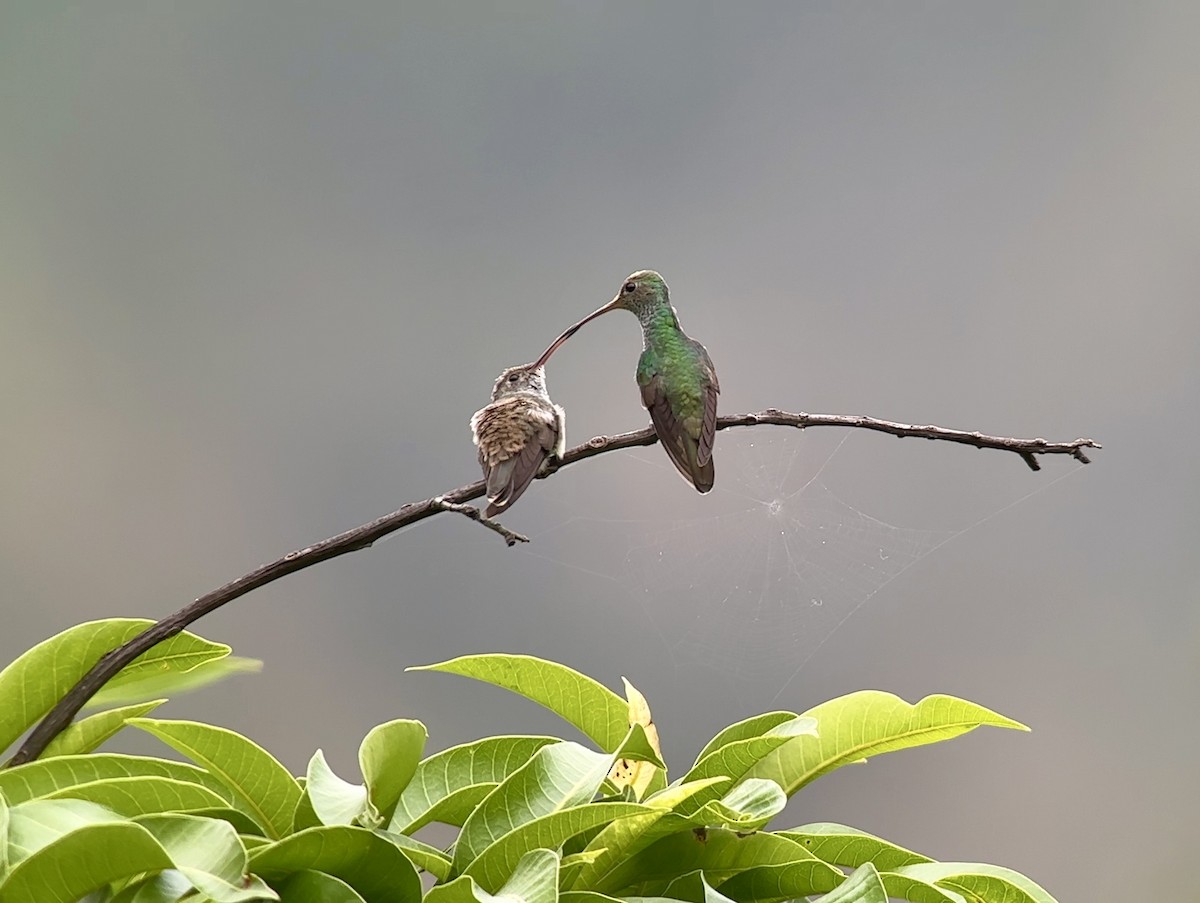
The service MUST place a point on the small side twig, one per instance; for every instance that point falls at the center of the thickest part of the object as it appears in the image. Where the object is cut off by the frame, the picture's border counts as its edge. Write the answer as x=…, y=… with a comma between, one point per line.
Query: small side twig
x=363, y=536
x=511, y=538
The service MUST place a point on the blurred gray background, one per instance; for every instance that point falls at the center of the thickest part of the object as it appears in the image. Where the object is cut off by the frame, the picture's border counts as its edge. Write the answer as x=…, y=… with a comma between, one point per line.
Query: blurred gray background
x=261, y=262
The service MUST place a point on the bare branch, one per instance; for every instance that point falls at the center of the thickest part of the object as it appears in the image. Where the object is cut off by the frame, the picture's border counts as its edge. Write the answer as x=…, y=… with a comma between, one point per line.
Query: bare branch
x=363, y=536
x=1028, y=449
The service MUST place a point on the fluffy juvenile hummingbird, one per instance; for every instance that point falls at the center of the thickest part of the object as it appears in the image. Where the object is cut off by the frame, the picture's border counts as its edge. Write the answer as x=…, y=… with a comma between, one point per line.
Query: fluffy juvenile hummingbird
x=678, y=382
x=516, y=433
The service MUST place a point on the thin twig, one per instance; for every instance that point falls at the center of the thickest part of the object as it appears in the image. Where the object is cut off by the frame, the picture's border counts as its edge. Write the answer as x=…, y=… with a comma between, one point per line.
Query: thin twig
x=363, y=536
x=511, y=538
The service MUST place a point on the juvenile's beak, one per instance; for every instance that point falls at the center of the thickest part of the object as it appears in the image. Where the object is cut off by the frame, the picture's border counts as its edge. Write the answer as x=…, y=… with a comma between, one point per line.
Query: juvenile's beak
x=611, y=305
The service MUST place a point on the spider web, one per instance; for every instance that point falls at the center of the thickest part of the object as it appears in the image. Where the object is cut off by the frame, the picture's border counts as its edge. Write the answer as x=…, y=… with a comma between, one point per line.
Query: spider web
x=795, y=566
x=752, y=587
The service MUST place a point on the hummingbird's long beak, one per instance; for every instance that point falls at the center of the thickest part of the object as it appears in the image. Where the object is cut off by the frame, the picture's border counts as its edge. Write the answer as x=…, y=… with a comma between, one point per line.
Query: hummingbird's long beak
x=611, y=305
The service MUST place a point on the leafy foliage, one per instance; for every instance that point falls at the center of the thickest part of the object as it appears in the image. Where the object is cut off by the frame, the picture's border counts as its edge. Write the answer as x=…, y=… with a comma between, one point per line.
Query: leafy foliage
x=538, y=819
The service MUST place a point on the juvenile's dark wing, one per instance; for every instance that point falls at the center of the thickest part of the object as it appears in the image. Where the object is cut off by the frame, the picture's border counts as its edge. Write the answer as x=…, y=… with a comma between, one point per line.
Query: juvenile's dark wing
x=522, y=468
x=512, y=446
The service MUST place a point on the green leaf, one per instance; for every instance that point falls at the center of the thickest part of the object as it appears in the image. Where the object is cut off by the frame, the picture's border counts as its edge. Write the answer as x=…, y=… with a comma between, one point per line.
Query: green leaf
x=41, y=778
x=851, y=847
x=446, y=786
x=747, y=807
x=210, y=855
x=720, y=853
x=636, y=746
x=535, y=880
x=142, y=795
x=675, y=797
x=422, y=855
x=737, y=758
x=335, y=801
x=863, y=886
x=92, y=846
x=242, y=823
x=86, y=734
x=4, y=838
x=620, y=840
x=35, y=681
x=744, y=730
x=454, y=809
x=598, y=712
x=253, y=774
x=460, y=890
x=305, y=816
x=557, y=777
x=37, y=823
x=496, y=863
x=636, y=765
x=167, y=886
x=388, y=758
x=368, y=862
x=693, y=887
x=902, y=887
x=868, y=723
x=147, y=684
x=586, y=896
x=785, y=881
x=317, y=887
x=571, y=864
x=70, y=848
x=991, y=883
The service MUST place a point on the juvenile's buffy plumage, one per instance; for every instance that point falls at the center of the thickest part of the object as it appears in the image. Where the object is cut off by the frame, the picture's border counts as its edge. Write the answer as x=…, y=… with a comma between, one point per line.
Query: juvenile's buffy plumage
x=516, y=433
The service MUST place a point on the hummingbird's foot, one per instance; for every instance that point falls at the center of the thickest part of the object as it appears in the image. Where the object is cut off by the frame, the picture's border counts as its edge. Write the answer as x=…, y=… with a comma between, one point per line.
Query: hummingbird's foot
x=551, y=464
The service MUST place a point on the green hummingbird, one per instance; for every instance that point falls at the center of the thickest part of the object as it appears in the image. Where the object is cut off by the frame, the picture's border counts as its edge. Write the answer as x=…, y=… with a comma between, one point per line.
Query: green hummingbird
x=676, y=375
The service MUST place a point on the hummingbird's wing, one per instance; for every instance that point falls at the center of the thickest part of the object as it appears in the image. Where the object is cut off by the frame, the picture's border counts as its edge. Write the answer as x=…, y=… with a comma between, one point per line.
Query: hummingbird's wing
x=708, y=422
x=681, y=446
x=512, y=447
x=518, y=471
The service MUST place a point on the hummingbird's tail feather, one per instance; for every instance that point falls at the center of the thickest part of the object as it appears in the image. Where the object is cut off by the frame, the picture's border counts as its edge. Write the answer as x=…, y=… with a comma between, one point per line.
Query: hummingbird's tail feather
x=498, y=478
x=704, y=476
x=699, y=475
x=681, y=449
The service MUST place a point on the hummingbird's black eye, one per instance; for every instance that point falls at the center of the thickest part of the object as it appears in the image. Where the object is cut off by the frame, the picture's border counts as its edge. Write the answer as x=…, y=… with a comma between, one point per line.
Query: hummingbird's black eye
x=630, y=288
x=512, y=378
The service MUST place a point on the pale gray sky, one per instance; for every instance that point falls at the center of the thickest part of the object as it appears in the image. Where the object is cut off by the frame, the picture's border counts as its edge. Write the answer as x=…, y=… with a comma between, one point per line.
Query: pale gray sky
x=261, y=262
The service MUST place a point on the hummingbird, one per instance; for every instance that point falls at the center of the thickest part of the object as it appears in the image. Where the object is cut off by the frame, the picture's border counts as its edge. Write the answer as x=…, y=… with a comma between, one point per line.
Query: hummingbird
x=516, y=433
x=676, y=375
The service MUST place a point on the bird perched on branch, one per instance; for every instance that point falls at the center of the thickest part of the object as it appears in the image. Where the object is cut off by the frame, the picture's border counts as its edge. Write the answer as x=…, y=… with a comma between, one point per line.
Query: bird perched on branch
x=676, y=375
x=516, y=434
